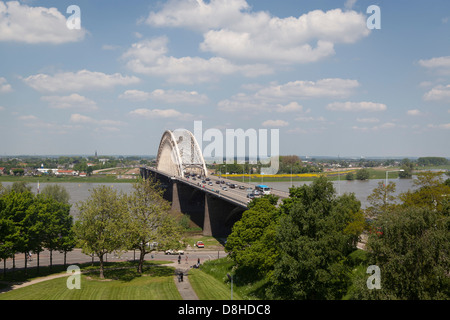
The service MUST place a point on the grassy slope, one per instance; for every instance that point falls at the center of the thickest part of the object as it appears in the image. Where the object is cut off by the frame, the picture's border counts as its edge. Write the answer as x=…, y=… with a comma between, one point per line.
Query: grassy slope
x=121, y=284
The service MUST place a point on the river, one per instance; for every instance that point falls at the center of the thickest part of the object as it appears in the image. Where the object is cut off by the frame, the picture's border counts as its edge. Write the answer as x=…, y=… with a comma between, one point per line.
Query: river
x=362, y=189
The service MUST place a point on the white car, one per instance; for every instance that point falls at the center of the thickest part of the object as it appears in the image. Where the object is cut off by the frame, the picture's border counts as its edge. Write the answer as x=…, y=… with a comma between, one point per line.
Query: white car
x=171, y=251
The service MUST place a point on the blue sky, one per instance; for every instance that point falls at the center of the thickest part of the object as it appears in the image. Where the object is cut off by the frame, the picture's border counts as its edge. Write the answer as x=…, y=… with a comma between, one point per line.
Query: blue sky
x=311, y=69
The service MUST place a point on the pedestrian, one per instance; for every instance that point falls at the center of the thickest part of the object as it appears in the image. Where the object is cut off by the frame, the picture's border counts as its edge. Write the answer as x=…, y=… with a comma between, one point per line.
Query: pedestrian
x=179, y=258
x=186, y=259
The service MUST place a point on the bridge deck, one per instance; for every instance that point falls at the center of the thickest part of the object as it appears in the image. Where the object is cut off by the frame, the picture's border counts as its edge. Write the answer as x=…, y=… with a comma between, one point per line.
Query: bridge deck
x=236, y=195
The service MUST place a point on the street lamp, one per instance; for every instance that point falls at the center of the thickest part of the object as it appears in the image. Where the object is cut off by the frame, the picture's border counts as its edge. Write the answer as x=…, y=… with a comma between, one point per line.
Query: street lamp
x=230, y=277
x=401, y=170
x=385, y=196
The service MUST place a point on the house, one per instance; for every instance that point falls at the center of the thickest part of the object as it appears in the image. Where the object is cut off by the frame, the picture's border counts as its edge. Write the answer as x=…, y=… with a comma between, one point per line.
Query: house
x=62, y=172
x=2, y=171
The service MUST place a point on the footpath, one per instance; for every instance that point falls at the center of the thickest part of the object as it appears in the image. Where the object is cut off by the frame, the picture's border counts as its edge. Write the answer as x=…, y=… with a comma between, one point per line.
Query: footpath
x=184, y=286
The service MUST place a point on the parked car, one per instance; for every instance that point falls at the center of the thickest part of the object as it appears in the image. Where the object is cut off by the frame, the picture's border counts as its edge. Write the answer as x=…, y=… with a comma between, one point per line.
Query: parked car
x=200, y=244
x=171, y=251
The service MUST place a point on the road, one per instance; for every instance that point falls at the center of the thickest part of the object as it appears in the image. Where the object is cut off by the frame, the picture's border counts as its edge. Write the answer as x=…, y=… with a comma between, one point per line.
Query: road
x=76, y=256
x=237, y=194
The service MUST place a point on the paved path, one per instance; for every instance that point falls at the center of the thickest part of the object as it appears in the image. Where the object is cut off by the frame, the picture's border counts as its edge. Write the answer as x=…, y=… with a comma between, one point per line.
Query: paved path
x=184, y=287
x=34, y=281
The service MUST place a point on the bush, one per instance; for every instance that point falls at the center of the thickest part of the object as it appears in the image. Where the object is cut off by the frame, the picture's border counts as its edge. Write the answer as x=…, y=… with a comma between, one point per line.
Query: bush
x=350, y=176
x=362, y=174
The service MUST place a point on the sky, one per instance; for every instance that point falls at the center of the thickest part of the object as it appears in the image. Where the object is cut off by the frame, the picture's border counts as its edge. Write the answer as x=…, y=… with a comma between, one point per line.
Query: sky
x=333, y=78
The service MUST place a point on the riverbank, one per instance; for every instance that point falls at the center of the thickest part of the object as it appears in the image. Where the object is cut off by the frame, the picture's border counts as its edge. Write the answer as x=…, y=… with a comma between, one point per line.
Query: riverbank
x=60, y=179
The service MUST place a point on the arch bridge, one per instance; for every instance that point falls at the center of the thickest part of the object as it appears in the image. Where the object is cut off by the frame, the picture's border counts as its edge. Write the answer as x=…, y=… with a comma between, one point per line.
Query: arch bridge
x=181, y=167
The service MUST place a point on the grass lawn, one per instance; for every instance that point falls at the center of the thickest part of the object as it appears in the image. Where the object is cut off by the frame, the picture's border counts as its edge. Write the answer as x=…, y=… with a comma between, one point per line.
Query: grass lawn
x=210, y=282
x=208, y=287
x=156, y=283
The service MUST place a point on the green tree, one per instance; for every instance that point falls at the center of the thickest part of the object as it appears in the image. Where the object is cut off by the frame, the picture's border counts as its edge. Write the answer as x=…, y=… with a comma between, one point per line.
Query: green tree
x=431, y=192
x=251, y=243
x=314, y=239
x=101, y=227
x=16, y=236
x=350, y=176
x=381, y=199
x=413, y=255
x=57, y=192
x=407, y=166
x=148, y=220
x=362, y=174
x=19, y=187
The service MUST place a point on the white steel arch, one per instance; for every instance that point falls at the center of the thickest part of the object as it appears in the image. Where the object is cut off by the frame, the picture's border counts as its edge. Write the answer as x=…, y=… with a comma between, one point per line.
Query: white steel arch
x=179, y=153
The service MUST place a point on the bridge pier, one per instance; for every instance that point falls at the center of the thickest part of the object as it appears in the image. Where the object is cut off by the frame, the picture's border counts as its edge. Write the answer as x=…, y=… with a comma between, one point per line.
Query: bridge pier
x=176, y=207
x=213, y=213
x=220, y=216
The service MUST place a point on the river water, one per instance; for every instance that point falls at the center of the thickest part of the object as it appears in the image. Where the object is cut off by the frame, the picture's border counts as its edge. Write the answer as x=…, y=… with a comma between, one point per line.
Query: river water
x=362, y=189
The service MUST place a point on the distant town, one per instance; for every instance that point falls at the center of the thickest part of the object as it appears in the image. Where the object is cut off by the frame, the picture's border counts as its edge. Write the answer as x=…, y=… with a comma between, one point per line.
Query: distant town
x=127, y=167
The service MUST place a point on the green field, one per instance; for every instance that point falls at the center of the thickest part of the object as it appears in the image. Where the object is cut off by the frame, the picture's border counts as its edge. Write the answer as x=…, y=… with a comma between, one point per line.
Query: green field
x=121, y=282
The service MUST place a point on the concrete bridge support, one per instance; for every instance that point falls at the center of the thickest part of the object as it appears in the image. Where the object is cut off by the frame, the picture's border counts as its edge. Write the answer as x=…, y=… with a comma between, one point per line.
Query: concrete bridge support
x=220, y=216
x=214, y=214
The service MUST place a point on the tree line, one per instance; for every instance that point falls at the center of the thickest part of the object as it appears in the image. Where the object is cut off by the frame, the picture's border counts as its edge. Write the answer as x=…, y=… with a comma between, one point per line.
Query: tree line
x=31, y=223
x=107, y=222
x=306, y=248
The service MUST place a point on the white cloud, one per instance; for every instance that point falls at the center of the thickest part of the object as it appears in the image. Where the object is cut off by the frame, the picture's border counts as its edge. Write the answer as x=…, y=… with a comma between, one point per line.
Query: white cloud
x=438, y=93
x=349, y=4
x=27, y=118
x=445, y=126
x=149, y=57
x=310, y=119
x=439, y=62
x=198, y=15
x=275, y=123
x=273, y=97
x=73, y=101
x=356, y=106
x=82, y=119
x=4, y=86
x=232, y=30
x=22, y=23
x=414, y=112
x=166, y=96
x=324, y=88
x=159, y=113
x=384, y=126
x=368, y=120
x=290, y=107
x=81, y=80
